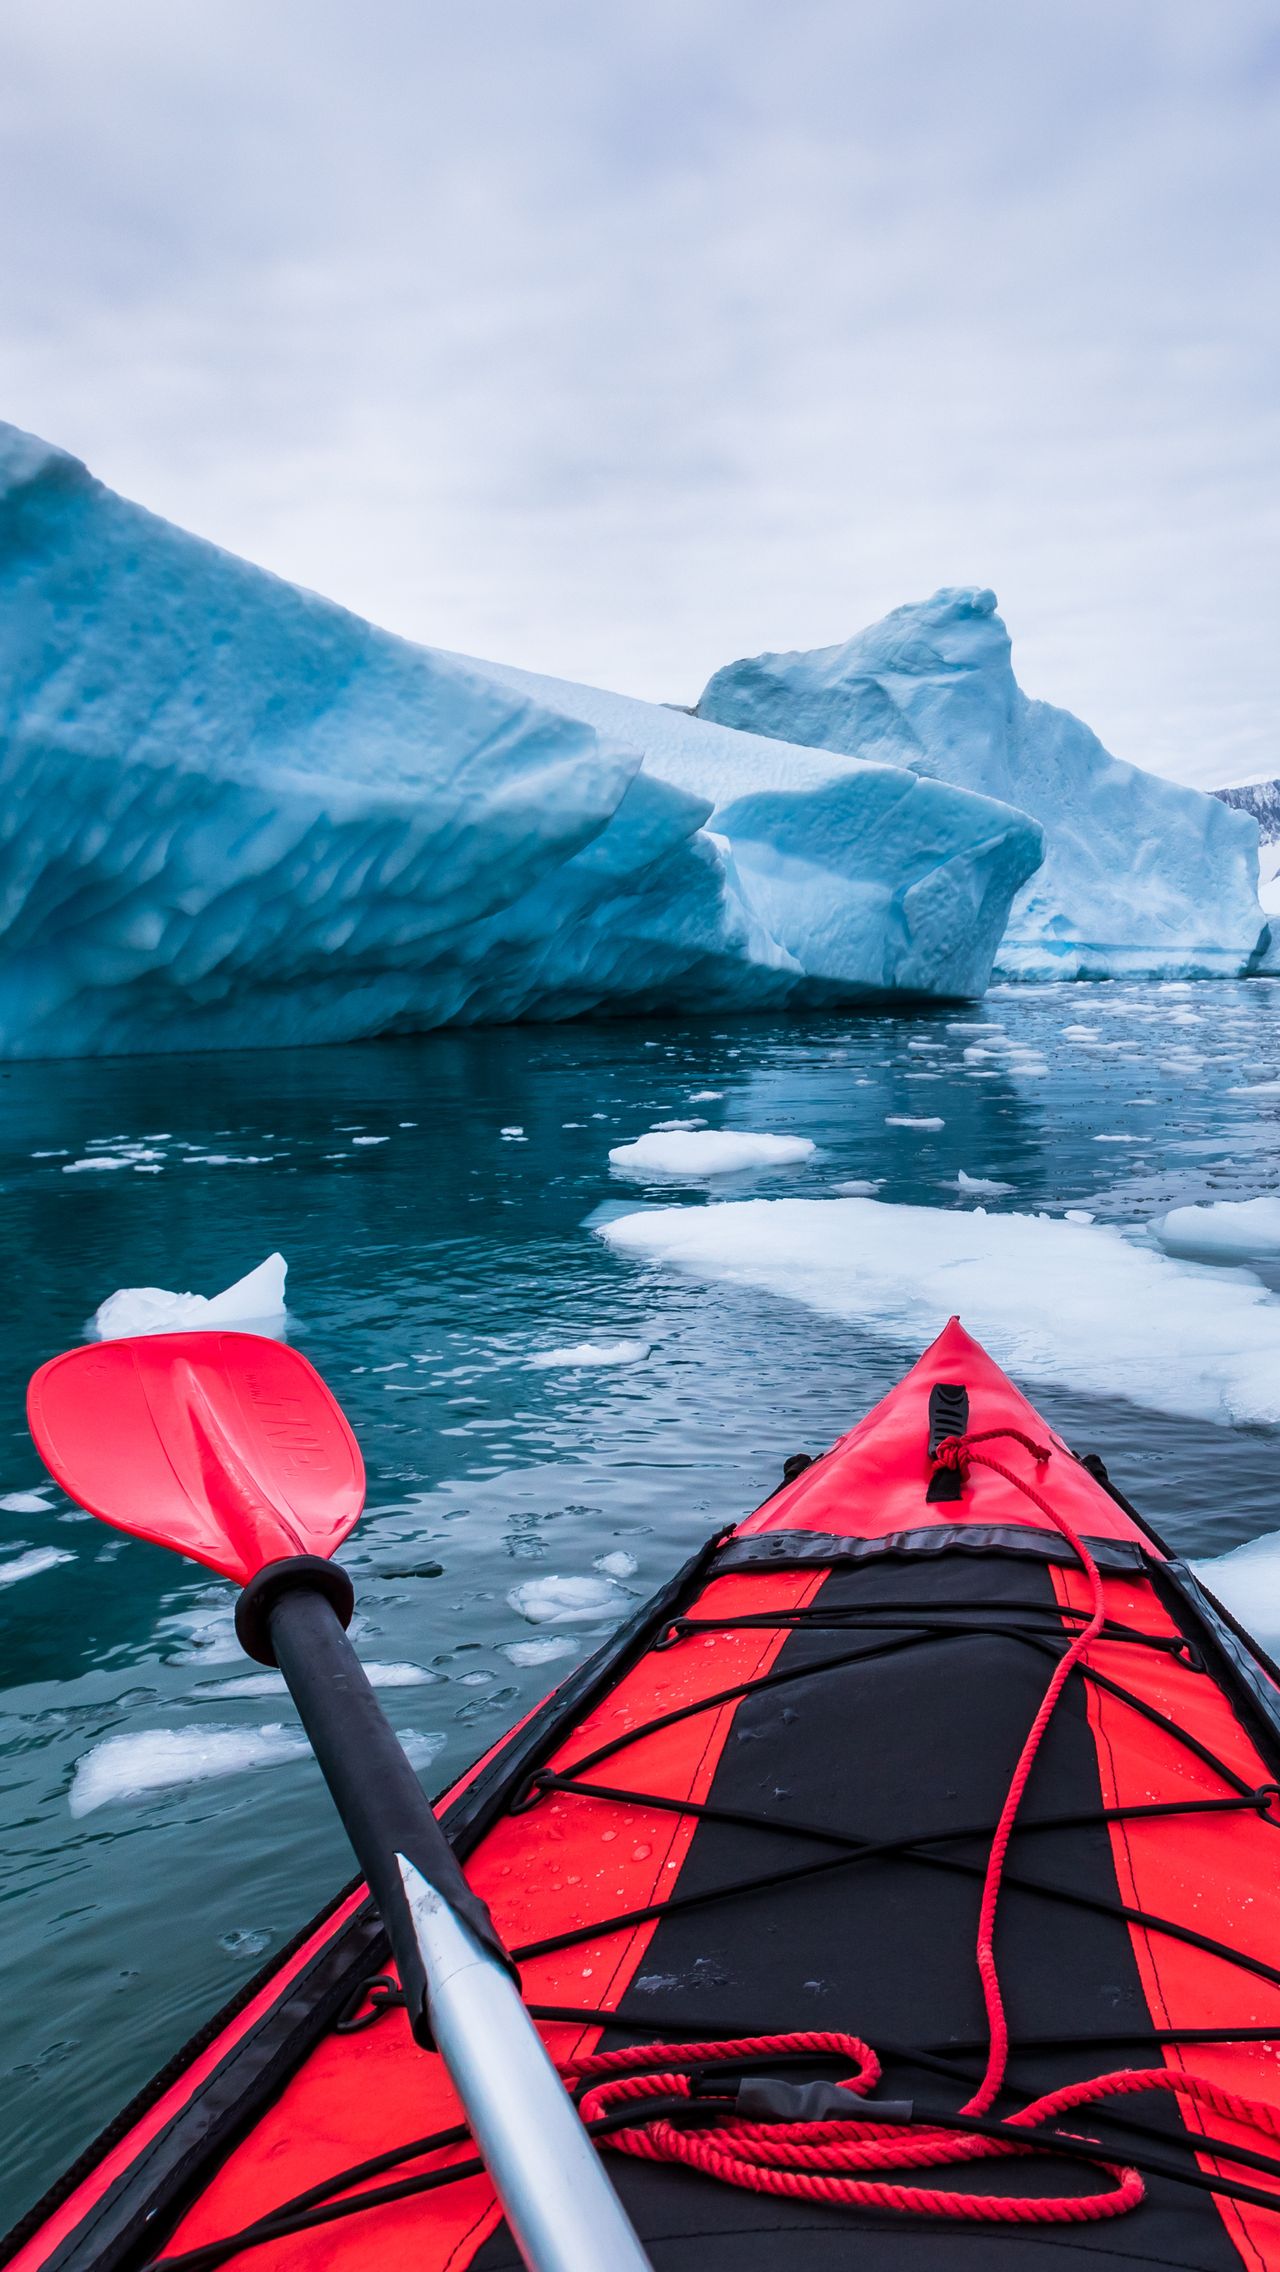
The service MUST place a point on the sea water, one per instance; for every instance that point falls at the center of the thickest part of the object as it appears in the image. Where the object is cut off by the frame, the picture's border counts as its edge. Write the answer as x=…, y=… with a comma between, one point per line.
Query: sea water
x=550, y=1425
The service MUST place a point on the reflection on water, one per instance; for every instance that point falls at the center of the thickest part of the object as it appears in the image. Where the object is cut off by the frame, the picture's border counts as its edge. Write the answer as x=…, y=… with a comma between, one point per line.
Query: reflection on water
x=433, y=1200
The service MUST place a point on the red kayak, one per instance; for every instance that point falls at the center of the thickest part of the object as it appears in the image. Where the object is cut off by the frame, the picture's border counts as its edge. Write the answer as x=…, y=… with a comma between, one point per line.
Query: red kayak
x=896, y=1891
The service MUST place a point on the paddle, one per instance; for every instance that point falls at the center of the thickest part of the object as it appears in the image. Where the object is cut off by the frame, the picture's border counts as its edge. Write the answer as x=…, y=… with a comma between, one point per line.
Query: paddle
x=229, y=1448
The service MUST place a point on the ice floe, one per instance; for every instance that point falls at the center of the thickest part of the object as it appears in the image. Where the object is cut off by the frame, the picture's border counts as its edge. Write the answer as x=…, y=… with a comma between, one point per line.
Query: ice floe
x=1224, y=1230
x=567, y=1601
x=543, y=1651
x=136, y=1765
x=272, y=1683
x=1247, y=1582
x=619, y=1564
x=1076, y=1306
x=581, y=1355
x=31, y=1564
x=164, y=1759
x=691, y=1154
x=255, y=1300
x=981, y=1186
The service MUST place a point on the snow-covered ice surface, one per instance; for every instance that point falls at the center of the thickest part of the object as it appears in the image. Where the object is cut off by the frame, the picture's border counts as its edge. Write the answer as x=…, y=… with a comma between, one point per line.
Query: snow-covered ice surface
x=695, y=1154
x=1141, y=876
x=1079, y=1306
x=1224, y=1230
x=239, y=816
x=255, y=1300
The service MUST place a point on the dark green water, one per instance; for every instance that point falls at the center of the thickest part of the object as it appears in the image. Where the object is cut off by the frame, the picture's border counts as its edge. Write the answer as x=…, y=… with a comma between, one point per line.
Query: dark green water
x=424, y=1272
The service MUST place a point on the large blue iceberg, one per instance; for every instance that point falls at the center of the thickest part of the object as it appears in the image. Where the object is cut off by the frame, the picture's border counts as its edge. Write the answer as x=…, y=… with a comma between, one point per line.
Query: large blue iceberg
x=235, y=815
x=1141, y=877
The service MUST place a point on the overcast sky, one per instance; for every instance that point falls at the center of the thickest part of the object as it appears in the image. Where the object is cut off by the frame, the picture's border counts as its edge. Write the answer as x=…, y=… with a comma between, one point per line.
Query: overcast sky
x=622, y=340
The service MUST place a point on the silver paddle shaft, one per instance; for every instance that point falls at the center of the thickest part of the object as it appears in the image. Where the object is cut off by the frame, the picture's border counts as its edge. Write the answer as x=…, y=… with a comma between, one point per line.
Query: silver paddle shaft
x=563, y=2212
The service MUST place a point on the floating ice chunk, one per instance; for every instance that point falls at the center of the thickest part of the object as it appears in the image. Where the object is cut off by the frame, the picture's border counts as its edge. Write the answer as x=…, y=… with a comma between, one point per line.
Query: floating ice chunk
x=567, y=1601
x=101, y=1162
x=981, y=1186
x=1121, y=1139
x=165, y=1759
x=227, y=1159
x=1247, y=1582
x=706, y=1096
x=31, y=1564
x=695, y=1153
x=1077, y=1306
x=859, y=1186
x=421, y=1745
x=619, y=1564
x=272, y=1683
x=203, y=1634
x=371, y=1139
x=257, y=1299
x=664, y=1127
x=1077, y=1215
x=541, y=1652
x=1225, y=1230
x=907, y=1120
x=244, y=1941
x=1250, y=1089
x=24, y=1503
x=582, y=1354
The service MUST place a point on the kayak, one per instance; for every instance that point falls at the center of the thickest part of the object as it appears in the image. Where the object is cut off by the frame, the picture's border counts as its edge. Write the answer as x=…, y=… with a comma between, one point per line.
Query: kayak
x=895, y=1890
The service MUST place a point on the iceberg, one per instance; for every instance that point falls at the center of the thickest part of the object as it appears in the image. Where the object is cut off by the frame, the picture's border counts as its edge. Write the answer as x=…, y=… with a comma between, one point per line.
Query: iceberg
x=236, y=815
x=1142, y=877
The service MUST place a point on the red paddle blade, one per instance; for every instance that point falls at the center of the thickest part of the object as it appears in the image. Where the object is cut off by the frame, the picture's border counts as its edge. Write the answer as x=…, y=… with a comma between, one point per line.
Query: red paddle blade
x=224, y=1446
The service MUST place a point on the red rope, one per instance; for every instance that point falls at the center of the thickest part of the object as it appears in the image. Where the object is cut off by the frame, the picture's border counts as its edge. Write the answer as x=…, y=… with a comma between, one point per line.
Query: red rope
x=840, y=2161
x=957, y=1452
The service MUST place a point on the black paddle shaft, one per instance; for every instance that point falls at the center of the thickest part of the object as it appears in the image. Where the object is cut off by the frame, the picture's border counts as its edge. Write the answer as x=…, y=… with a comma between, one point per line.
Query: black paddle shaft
x=383, y=1806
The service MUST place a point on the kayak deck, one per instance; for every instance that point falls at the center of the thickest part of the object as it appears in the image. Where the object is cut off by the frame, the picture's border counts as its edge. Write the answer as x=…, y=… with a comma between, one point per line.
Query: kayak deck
x=766, y=1809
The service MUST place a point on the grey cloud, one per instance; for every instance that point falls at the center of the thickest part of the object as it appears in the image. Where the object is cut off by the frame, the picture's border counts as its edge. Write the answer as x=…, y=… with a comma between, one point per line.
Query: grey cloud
x=619, y=342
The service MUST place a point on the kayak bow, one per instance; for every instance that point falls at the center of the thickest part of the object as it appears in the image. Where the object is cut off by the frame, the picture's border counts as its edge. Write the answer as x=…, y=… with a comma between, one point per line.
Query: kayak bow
x=897, y=1889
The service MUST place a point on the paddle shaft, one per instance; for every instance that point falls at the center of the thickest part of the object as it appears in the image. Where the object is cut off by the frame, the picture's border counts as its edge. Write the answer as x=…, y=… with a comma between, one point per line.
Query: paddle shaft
x=563, y=2212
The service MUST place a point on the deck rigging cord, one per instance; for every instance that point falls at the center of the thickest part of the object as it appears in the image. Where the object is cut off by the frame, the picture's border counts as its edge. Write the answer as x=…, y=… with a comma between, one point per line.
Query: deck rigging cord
x=691, y=2103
